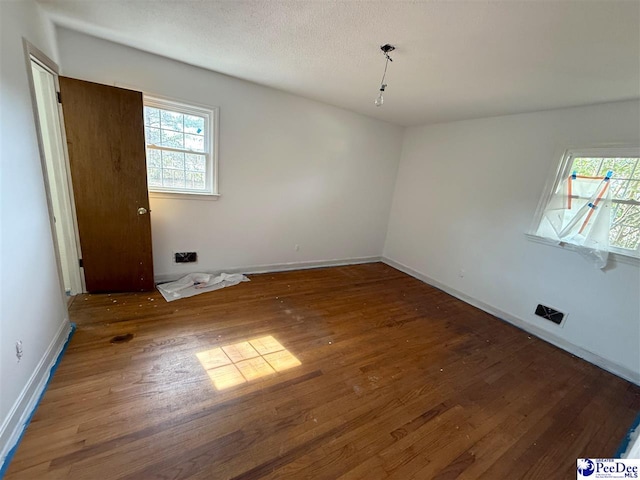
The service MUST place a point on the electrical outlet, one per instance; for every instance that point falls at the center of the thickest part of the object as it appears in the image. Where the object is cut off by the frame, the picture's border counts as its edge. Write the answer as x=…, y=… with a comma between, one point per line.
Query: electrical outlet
x=297, y=248
x=461, y=273
x=19, y=350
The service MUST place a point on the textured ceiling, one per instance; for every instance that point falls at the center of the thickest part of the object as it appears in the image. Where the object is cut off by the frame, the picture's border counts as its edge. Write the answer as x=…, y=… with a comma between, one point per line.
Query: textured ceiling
x=454, y=60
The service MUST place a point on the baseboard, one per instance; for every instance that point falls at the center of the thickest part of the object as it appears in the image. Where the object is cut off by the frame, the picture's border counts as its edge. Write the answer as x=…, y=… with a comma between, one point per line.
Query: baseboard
x=630, y=446
x=549, y=337
x=274, y=267
x=634, y=449
x=20, y=414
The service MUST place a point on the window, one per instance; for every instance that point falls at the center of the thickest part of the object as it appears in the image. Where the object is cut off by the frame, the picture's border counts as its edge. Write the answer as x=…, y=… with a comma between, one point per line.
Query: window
x=181, y=143
x=596, y=163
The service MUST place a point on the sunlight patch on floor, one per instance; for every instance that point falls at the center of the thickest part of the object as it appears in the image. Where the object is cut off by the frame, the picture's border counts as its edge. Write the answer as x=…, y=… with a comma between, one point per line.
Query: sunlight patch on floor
x=243, y=362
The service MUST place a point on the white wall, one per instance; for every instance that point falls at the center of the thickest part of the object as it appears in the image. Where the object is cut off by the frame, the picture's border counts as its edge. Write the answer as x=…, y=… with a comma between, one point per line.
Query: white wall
x=467, y=192
x=32, y=308
x=292, y=171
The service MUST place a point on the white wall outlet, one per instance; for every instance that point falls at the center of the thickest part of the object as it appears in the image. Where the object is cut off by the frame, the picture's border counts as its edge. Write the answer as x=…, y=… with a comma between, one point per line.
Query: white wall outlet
x=297, y=248
x=19, y=350
x=461, y=273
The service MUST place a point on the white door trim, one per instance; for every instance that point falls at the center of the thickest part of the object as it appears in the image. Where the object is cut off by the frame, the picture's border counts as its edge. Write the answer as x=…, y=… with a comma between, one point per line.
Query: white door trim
x=56, y=173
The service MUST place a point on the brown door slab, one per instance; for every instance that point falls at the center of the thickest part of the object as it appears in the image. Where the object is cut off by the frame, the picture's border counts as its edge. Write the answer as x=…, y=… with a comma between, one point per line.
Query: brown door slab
x=105, y=137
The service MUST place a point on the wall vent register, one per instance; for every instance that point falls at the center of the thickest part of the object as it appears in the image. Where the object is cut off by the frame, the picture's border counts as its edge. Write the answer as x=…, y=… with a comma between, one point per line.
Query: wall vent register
x=186, y=257
x=550, y=314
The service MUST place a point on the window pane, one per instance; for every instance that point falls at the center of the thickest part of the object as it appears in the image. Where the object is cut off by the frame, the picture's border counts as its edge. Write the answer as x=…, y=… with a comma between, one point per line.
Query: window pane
x=621, y=167
x=195, y=163
x=193, y=124
x=151, y=117
x=625, y=231
x=608, y=164
x=618, y=188
x=167, y=178
x=195, y=180
x=178, y=178
x=172, y=120
x=172, y=139
x=154, y=158
x=625, y=236
x=633, y=190
x=152, y=136
x=586, y=166
x=173, y=160
x=154, y=177
x=194, y=142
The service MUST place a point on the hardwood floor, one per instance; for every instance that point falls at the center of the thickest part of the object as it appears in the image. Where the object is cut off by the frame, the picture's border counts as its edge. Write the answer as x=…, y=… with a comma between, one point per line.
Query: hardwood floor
x=396, y=380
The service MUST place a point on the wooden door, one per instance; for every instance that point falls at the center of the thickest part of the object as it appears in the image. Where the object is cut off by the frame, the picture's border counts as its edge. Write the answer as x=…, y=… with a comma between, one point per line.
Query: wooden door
x=105, y=137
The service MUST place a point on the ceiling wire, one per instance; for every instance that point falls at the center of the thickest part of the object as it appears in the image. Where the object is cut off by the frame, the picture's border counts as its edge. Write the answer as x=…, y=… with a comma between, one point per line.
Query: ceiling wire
x=386, y=64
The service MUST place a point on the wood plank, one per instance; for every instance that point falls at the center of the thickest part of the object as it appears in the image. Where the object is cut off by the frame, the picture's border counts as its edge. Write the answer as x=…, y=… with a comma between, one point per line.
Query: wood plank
x=396, y=380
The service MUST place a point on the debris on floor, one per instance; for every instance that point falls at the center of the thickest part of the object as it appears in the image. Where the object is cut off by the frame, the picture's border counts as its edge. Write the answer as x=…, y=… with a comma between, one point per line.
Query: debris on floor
x=196, y=283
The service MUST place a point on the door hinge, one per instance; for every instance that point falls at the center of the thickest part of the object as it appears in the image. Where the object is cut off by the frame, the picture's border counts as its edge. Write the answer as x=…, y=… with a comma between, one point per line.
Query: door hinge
x=59, y=97
x=80, y=263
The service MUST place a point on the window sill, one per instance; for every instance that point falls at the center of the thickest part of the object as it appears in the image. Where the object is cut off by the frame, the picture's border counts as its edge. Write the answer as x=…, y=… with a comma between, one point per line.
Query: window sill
x=185, y=196
x=617, y=257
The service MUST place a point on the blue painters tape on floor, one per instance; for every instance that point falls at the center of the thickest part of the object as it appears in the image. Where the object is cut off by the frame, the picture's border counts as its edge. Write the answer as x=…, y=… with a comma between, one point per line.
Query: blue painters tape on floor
x=12, y=452
x=627, y=439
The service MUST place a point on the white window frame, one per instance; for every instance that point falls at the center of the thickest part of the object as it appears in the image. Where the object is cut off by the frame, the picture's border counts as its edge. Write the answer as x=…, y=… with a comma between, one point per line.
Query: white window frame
x=562, y=172
x=211, y=116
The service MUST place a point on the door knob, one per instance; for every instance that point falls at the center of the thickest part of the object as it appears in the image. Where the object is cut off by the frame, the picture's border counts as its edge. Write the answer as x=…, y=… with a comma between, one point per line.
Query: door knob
x=142, y=211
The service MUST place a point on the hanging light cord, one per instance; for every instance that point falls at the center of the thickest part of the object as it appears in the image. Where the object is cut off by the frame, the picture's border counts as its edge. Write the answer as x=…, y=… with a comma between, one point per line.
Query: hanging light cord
x=386, y=64
x=385, y=50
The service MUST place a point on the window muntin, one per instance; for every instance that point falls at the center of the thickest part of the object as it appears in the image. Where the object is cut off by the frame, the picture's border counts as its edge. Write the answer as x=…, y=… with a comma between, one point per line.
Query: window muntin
x=180, y=141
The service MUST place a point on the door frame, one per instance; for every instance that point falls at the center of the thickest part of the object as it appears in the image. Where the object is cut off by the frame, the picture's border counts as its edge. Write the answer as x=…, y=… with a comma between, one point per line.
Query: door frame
x=63, y=182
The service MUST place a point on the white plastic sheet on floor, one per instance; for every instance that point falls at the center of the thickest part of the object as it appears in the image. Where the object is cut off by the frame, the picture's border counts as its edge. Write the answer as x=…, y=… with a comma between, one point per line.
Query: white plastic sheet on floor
x=196, y=283
x=579, y=213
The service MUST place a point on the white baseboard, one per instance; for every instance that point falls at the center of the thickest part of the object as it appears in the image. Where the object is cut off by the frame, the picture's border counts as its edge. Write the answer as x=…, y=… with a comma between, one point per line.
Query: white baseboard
x=274, y=267
x=549, y=337
x=13, y=426
x=633, y=449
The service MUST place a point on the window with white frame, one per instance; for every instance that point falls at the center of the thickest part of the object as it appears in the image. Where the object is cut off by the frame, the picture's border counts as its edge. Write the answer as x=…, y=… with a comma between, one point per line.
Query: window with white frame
x=181, y=143
x=623, y=165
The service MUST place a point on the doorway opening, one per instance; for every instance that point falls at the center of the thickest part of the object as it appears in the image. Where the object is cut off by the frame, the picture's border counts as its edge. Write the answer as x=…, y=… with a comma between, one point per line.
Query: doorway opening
x=43, y=75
